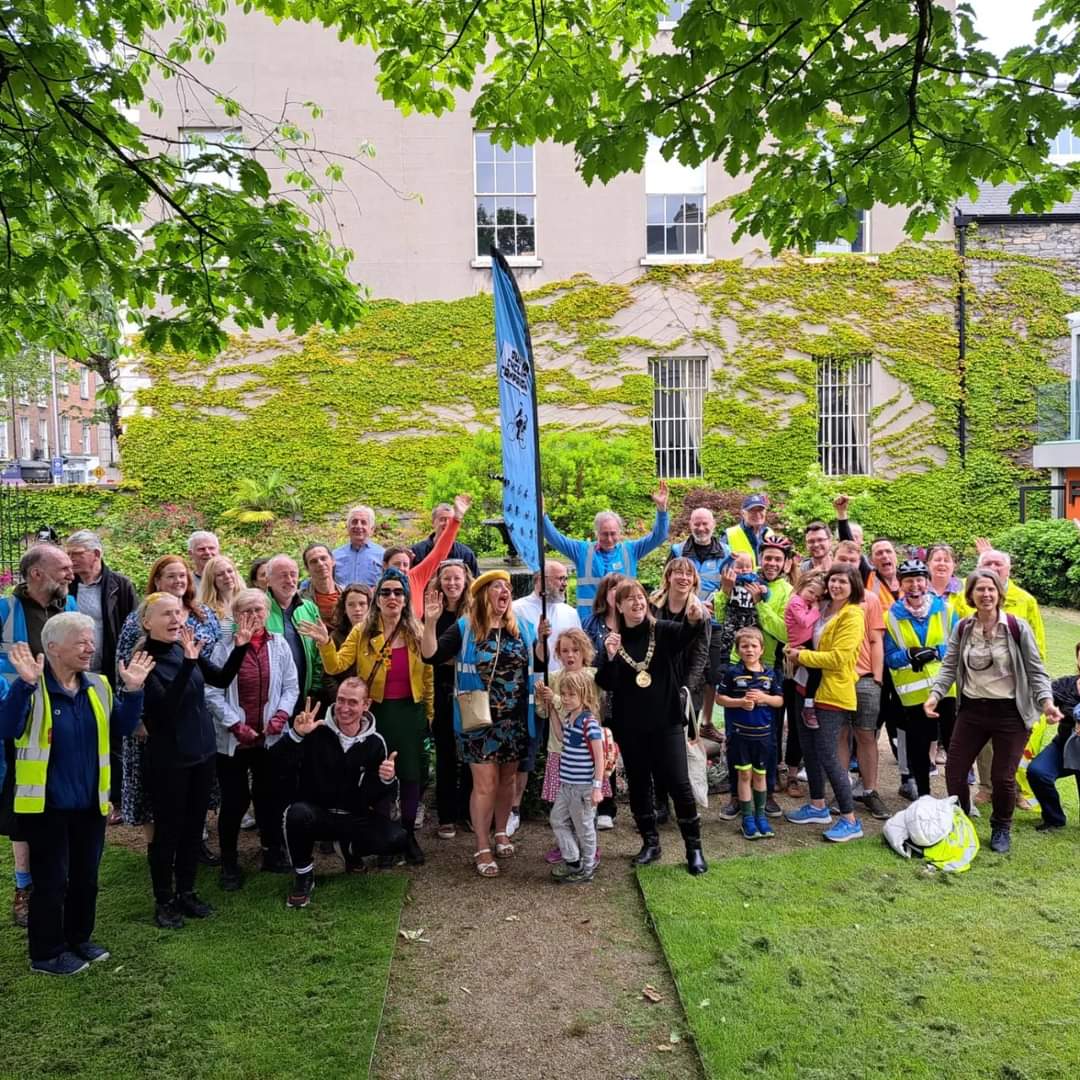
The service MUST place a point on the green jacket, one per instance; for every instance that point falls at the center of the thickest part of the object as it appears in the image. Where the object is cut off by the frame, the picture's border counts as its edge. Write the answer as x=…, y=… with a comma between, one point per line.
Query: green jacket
x=770, y=618
x=304, y=612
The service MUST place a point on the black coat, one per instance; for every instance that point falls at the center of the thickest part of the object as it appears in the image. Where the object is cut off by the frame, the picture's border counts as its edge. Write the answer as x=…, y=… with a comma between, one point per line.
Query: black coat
x=316, y=770
x=459, y=550
x=118, y=600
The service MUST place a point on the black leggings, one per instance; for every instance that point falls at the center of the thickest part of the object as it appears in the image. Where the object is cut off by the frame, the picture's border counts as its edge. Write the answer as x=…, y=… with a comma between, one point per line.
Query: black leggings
x=453, y=780
x=921, y=732
x=819, y=746
x=660, y=752
x=793, y=703
x=238, y=792
x=180, y=799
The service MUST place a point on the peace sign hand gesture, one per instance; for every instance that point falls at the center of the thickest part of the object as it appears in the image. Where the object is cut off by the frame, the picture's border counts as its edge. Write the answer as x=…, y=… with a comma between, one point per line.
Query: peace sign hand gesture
x=133, y=674
x=306, y=720
x=22, y=660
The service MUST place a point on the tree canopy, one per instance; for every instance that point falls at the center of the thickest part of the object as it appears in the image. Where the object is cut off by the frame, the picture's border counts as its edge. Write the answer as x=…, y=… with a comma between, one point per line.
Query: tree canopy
x=826, y=107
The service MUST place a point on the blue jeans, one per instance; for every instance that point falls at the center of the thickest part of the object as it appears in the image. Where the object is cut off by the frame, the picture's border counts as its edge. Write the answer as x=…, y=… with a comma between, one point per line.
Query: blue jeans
x=1043, y=774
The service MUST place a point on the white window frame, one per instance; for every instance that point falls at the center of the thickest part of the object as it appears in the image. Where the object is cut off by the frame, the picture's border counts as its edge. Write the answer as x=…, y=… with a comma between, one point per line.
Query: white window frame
x=670, y=179
x=841, y=246
x=25, y=442
x=65, y=436
x=676, y=9
x=1064, y=157
x=844, y=398
x=84, y=384
x=43, y=437
x=86, y=443
x=5, y=443
x=211, y=136
x=680, y=384
x=482, y=259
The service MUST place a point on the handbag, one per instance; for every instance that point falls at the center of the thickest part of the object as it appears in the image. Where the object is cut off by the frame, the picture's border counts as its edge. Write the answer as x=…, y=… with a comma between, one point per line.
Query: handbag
x=697, y=763
x=474, y=706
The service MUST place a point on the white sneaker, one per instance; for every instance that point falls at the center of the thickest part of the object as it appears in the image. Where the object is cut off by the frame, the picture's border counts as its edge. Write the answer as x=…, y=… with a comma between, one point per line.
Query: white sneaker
x=247, y=823
x=513, y=823
x=858, y=790
x=604, y=822
x=419, y=823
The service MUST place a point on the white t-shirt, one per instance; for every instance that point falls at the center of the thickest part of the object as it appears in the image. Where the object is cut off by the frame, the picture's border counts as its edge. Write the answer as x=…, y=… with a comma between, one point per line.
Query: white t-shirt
x=561, y=616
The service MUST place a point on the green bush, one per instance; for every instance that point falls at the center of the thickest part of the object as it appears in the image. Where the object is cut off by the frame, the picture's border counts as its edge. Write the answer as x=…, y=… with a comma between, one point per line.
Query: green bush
x=1046, y=559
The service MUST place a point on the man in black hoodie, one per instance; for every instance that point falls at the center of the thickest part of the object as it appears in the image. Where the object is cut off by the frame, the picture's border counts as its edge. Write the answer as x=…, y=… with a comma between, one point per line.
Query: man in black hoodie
x=335, y=772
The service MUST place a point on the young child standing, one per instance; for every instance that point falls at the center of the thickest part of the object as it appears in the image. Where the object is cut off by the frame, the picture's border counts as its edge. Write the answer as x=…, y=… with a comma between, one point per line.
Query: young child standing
x=749, y=693
x=581, y=779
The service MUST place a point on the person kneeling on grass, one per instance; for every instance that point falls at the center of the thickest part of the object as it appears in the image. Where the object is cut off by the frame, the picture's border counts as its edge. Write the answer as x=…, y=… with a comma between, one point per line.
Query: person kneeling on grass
x=581, y=778
x=336, y=771
x=63, y=721
x=750, y=693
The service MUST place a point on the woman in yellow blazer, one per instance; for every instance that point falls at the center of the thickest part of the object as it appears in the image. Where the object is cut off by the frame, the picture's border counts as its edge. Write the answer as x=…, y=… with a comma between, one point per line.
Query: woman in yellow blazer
x=384, y=650
x=836, y=641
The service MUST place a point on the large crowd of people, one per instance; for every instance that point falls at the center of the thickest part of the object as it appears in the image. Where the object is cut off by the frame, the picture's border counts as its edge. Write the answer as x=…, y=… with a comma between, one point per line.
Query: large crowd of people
x=306, y=707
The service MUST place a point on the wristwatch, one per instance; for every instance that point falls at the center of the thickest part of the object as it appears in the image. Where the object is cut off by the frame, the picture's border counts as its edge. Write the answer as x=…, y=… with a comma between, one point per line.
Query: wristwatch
x=598, y=784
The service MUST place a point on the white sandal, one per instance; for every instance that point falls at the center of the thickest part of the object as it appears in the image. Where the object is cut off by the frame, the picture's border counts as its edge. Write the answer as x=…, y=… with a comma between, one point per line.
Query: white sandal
x=503, y=851
x=488, y=868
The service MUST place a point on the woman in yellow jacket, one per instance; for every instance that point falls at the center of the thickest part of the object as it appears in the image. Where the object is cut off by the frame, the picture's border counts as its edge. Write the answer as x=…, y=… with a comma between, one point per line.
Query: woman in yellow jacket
x=836, y=641
x=384, y=650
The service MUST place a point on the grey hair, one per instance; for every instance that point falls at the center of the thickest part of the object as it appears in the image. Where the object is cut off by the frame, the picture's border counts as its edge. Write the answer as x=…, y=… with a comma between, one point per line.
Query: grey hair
x=440, y=508
x=84, y=538
x=33, y=555
x=201, y=534
x=1000, y=554
x=277, y=559
x=246, y=597
x=63, y=625
x=365, y=510
x=603, y=515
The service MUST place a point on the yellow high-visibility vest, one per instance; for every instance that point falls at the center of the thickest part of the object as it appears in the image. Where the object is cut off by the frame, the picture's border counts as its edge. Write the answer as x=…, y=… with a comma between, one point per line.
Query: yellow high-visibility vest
x=913, y=687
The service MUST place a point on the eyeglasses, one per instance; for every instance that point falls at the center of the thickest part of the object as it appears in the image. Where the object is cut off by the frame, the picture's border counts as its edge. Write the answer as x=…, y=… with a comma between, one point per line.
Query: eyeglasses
x=391, y=592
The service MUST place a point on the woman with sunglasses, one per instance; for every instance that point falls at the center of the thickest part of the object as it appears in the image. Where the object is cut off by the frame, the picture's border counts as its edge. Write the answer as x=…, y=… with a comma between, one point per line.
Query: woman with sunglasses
x=384, y=651
x=1001, y=687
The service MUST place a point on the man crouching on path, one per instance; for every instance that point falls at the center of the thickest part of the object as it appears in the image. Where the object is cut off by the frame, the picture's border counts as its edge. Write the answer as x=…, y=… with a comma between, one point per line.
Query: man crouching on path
x=336, y=771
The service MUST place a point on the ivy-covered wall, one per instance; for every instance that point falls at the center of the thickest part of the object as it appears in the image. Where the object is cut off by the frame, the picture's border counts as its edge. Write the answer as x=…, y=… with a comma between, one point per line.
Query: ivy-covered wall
x=365, y=415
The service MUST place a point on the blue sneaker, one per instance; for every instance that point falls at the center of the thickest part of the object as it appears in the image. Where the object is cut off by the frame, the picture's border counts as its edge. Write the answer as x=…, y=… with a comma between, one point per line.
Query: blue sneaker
x=67, y=963
x=749, y=827
x=765, y=830
x=808, y=814
x=844, y=830
x=91, y=952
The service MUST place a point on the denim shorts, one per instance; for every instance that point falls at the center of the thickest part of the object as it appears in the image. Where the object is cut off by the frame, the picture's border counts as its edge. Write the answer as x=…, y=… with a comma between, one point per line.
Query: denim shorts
x=868, y=703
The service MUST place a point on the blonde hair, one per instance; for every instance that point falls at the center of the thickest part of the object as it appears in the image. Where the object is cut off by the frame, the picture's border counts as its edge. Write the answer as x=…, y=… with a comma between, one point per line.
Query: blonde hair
x=582, y=683
x=581, y=640
x=749, y=632
x=481, y=622
x=143, y=609
x=208, y=593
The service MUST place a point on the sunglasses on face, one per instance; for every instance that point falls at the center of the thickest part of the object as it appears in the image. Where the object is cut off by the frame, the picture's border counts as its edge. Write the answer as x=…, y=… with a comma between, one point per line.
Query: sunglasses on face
x=391, y=592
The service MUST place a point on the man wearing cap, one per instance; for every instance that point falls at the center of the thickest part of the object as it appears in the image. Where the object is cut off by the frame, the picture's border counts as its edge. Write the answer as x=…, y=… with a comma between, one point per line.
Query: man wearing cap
x=917, y=631
x=609, y=553
x=746, y=537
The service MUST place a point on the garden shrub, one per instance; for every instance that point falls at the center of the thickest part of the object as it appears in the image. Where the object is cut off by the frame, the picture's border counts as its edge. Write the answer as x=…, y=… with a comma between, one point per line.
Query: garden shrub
x=1046, y=559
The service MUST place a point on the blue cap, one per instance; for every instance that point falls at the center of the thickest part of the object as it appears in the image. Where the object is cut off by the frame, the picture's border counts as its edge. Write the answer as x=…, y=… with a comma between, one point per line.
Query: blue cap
x=755, y=502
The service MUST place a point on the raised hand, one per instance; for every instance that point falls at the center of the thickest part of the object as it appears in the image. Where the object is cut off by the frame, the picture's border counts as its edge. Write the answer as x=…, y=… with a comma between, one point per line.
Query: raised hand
x=306, y=721
x=612, y=643
x=22, y=660
x=433, y=605
x=191, y=647
x=660, y=496
x=727, y=579
x=246, y=626
x=982, y=544
x=462, y=502
x=387, y=770
x=695, y=610
x=133, y=674
x=840, y=505
x=315, y=630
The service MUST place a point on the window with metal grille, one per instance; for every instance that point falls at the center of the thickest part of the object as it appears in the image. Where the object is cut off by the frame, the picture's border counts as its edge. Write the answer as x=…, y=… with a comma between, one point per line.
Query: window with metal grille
x=679, y=385
x=843, y=400
x=504, y=198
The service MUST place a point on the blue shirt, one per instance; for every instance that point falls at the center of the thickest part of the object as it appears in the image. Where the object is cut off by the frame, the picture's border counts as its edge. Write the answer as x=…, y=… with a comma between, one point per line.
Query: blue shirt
x=358, y=566
x=71, y=781
x=757, y=723
x=576, y=764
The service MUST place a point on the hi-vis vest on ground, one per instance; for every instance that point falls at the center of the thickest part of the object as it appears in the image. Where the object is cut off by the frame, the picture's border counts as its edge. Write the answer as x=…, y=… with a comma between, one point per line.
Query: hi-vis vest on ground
x=913, y=687
x=956, y=851
x=33, y=746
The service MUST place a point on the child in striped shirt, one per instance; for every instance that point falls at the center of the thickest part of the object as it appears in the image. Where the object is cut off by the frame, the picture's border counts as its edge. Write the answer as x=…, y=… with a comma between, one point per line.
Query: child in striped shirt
x=581, y=779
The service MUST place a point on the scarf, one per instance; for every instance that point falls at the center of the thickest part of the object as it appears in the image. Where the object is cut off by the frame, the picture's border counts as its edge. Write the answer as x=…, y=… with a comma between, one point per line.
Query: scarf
x=921, y=608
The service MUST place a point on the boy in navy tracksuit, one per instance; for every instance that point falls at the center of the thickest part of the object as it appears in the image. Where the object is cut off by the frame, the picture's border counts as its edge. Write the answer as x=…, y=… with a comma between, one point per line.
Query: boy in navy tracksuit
x=749, y=693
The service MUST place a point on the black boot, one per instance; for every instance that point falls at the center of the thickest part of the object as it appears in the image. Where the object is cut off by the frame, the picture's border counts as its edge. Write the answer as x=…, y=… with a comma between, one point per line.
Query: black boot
x=650, y=842
x=691, y=834
x=414, y=856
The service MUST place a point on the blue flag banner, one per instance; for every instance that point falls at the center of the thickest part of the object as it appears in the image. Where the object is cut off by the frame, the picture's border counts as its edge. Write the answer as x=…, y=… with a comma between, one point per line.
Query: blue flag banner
x=518, y=415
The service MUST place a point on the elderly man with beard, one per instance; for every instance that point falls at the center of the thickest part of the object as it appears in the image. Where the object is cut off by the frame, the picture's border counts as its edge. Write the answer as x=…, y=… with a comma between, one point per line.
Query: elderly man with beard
x=46, y=574
x=917, y=631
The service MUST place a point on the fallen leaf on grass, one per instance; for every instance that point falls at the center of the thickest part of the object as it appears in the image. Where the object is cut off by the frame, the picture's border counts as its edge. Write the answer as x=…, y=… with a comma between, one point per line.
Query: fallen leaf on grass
x=674, y=1037
x=703, y=1004
x=414, y=935
x=512, y=918
x=666, y=1047
x=650, y=993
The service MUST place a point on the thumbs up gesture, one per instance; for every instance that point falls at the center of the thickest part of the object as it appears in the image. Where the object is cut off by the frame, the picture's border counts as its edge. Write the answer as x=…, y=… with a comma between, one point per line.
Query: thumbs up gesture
x=387, y=769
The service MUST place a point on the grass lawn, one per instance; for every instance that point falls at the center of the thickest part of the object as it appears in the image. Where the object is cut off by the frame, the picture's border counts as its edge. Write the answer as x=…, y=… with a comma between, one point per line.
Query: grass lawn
x=258, y=991
x=1062, y=634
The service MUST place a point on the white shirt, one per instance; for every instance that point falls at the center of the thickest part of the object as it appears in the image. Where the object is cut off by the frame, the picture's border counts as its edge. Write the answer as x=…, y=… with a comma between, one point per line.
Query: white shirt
x=561, y=616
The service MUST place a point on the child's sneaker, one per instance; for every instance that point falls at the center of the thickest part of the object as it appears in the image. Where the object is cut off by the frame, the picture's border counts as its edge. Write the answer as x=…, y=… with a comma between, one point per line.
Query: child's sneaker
x=553, y=856
x=579, y=877
x=749, y=827
x=808, y=814
x=765, y=830
x=844, y=830
x=565, y=870
x=810, y=719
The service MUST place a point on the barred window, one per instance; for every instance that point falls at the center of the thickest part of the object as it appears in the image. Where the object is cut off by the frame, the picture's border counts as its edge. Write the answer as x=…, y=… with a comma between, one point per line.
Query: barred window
x=843, y=400
x=679, y=385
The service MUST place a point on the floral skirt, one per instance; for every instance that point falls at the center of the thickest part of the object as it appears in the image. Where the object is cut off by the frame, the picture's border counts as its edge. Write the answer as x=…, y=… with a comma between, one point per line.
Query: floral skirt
x=505, y=740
